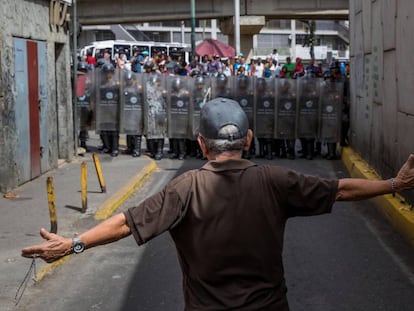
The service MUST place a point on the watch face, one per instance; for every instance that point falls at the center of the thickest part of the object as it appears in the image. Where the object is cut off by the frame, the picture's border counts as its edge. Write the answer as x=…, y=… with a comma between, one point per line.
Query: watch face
x=78, y=246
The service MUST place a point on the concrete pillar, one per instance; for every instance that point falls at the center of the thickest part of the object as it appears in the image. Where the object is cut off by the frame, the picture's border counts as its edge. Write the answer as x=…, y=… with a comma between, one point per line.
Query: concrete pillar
x=249, y=26
x=293, y=39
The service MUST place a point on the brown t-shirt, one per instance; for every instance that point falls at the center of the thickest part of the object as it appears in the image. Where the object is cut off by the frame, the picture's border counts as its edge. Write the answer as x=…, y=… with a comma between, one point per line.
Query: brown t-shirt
x=227, y=220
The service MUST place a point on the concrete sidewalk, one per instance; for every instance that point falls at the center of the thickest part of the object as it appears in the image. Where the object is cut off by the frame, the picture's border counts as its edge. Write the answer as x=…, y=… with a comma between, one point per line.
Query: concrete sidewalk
x=23, y=216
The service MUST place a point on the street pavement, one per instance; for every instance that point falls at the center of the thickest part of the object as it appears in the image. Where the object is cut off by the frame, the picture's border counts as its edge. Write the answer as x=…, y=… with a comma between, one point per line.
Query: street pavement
x=27, y=211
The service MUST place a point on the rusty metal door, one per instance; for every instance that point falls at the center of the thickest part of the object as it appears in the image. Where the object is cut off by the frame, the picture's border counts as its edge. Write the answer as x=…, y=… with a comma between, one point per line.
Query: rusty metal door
x=34, y=107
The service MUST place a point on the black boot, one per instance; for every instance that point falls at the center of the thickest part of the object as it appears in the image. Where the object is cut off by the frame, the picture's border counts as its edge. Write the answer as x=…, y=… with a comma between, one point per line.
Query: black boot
x=331, y=151
x=160, y=146
x=130, y=144
x=106, y=148
x=291, y=149
x=136, y=152
x=269, y=151
x=83, y=137
x=151, y=147
x=310, y=148
x=318, y=148
x=261, y=147
x=304, y=151
x=114, y=143
x=181, y=149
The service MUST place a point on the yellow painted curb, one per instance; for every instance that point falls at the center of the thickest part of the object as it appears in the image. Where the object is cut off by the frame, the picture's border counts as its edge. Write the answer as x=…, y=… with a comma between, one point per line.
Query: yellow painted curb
x=49, y=268
x=110, y=205
x=396, y=211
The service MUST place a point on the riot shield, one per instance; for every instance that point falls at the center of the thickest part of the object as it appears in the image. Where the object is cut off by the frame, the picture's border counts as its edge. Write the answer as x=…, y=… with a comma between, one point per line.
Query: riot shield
x=178, y=107
x=200, y=94
x=221, y=86
x=330, y=111
x=155, y=116
x=107, y=99
x=265, y=108
x=286, y=109
x=308, y=107
x=132, y=104
x=244, y=95
x=84, y=93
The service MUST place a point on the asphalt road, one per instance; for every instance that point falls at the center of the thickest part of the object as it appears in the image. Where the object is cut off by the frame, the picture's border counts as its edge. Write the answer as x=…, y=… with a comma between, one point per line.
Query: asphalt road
x=348, y=260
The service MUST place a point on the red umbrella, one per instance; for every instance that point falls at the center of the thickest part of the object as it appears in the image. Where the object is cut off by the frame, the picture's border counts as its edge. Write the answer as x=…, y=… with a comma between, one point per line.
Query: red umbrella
x=214, y=47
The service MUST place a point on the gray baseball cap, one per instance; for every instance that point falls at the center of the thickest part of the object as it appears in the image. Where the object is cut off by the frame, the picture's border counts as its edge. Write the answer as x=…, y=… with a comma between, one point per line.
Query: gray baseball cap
x=218, y=113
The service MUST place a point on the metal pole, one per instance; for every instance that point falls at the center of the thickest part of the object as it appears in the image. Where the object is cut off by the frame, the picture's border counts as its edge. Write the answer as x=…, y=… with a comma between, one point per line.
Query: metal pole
x=51, y=204
x=237, y=26
x=84, y=186
x=98, y=169
x=193, y=21
x=293, y=41
x=74, y=74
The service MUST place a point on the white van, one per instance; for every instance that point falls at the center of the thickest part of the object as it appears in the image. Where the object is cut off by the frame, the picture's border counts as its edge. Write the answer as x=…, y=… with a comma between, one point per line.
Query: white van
x=97, y=48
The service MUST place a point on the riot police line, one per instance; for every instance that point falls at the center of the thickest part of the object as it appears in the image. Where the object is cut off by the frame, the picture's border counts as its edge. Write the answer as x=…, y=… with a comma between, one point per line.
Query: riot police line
x=157, y=106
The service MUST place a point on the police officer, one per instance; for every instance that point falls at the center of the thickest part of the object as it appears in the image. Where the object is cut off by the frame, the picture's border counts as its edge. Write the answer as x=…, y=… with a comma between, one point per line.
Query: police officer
x=83, y=96
x=265, y=117
x=133, y=122
x=178, y=116
x=201, y=93
x=108, y=107
x=156, y=116
x=221, y=88
x=245, y=97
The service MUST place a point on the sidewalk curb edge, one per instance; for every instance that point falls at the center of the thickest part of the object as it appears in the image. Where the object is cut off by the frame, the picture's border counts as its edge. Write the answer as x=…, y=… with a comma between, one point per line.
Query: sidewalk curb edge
x=113, y=203
x=395, y=209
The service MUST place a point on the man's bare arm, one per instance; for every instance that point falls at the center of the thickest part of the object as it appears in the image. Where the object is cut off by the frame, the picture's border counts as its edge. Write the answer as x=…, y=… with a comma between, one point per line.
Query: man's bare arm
x=353, y=189
x=55, y=246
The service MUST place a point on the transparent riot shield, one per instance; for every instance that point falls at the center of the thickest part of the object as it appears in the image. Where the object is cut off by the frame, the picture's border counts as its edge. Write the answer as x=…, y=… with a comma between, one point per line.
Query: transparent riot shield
x=155, y=116
x=107, y=99
x=84, y=107
x=178, y=107
x=265, y=108
x=132, y=104
x=308, y=107
x=244, y=95
x=286, y=109
x=221, y=86
x=330, y=111
x=200, y=94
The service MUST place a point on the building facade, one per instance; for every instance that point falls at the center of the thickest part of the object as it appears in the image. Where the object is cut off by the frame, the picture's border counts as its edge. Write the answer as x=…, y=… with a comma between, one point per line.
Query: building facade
x=35, y=89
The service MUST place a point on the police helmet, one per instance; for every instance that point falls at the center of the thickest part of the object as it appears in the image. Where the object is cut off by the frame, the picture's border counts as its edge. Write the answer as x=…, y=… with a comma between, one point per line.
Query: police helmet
x=108, y=68
x=243, y=81
x=128, y=75
x=83, y=66
x=155, y=79
x=221, y=80
x=176, y=84
x=199, y=81
x=261, y=84
x=334, y=65
x=194, y=72
x=148, y=65
x=327, y=75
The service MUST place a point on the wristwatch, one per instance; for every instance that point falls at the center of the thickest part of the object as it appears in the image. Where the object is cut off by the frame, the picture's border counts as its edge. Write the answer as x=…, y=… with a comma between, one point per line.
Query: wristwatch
x=77, y=245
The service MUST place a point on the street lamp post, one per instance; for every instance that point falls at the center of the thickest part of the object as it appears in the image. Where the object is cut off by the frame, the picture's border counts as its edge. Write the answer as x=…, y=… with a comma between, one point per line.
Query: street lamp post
x=192, y=27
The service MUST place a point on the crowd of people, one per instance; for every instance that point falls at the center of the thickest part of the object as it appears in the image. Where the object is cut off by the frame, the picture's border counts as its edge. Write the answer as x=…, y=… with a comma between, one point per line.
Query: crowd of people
x=215, y=67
